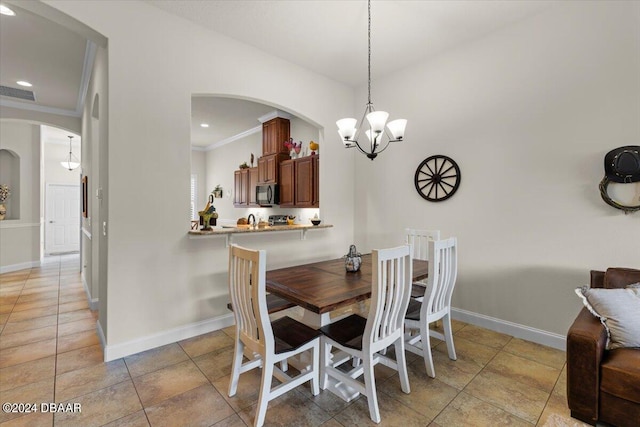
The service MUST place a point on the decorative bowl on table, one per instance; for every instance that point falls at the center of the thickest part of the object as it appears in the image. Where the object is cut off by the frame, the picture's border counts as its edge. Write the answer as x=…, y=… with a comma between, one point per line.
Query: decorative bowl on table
x=315, y=221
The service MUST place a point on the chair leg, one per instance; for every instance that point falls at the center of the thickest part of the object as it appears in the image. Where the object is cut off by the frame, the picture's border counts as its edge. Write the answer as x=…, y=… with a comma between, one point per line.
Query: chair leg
x=265, y=391
x=401, y=361
x=315, y=386
x=426, y=349
x=325, y=360
x=235, y=368
x=370, y=387
x=448, y=336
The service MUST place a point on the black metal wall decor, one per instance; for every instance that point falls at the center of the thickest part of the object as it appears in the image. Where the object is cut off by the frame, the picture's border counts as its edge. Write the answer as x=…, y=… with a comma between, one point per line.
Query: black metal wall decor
x=437, y=178
x=621, y=165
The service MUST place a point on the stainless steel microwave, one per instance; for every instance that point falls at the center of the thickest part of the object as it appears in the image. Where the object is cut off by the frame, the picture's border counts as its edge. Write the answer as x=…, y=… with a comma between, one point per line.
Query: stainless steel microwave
x=267, y=195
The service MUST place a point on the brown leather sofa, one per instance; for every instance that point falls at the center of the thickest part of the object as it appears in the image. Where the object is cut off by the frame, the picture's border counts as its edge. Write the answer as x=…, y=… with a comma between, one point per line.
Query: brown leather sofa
x=603, y=385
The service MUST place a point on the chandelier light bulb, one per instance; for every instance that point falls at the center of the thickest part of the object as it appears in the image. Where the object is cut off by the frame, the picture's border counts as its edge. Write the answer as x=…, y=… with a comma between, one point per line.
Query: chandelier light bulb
x=396, y=127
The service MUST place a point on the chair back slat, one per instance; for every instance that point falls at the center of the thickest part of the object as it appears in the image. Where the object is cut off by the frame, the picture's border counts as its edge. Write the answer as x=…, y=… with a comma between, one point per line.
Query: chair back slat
x=419, y=242
x=247, y=287
x=391, y=289
x=443, y=268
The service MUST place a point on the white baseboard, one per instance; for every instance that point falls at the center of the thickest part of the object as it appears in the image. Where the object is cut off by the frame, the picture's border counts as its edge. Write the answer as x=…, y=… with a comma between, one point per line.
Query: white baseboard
x=93, y=302
x=539, y=336
x=103, y=340
x=116, y=351
x=21, y=266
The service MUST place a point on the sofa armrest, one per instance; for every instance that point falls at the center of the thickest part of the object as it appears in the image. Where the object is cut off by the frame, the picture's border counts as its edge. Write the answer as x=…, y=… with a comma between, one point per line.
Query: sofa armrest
x=586, y=342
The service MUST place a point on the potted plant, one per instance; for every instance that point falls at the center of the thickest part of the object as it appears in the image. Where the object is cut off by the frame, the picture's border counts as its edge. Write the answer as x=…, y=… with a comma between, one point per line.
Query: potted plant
x=217, y=192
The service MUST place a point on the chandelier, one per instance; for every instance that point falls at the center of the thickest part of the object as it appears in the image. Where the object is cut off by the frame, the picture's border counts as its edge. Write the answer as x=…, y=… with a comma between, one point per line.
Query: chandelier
x=348, y=130
x=70, y=162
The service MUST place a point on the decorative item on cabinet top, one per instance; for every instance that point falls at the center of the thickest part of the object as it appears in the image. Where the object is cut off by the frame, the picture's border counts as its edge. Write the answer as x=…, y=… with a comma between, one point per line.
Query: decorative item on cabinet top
x=5, y=193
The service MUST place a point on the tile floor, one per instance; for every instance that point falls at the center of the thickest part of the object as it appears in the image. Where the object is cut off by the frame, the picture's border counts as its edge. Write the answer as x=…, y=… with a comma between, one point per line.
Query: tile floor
x=50, y=352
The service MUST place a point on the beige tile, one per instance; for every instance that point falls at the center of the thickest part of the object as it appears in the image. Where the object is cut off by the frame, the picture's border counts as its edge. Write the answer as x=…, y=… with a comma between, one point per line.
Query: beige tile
x=88, y=324
x=77, y=359
x=154, y=359
x=202, y=406
x=560, y=389
x=72, y=296
x=38, y=303
x=230, y=331
x=72, y=316
x=168, y=382
x=392, y=413
x=246, y=393
x=206, y=343
x=526, y=371
x=102, y=406
x=519, y=399
x=479, y=353
x=6, y=308
x=536, y=352
x=466, y=410
x=557, y=414
x=8, y=299
x=77, y=340
x=290, y=409
x=25, y=353
x=137, y=419
x=39, y=322
x=232, y=421
x=18, y=316
x=27, y=337
x=216, y=364
x=428, y=396
x=331, y=423
x=27, y=373
x=86, y=380
x=457, y=373
x=38, y=392
x=34, y=419
x=482, y=336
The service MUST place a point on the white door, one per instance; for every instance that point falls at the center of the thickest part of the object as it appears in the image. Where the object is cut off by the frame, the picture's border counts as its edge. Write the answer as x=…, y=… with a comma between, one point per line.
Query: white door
x=62, y=223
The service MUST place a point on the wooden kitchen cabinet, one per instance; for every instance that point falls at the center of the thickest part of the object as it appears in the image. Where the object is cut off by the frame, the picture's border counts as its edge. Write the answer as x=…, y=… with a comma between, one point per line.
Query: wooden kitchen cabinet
x=287, y=180
x=269, y=168
x=306, y=182
x=274, y=133
x=244, y=183
x=299, y=182
x=253, y=183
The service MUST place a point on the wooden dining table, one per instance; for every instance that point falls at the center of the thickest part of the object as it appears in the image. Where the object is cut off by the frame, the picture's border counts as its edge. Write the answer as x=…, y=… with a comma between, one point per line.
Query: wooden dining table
x=325, y=286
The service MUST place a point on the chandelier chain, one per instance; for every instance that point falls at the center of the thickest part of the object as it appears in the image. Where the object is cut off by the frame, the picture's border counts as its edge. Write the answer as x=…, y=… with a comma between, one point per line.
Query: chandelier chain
x=369, y=53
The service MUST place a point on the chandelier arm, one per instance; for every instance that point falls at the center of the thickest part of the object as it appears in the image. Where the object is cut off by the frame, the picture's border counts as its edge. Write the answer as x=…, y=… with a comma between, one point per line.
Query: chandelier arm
x=385, y=147
x=360, y=148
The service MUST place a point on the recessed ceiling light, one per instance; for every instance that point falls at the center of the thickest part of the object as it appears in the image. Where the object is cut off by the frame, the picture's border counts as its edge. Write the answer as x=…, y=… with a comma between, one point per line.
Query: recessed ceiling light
x=6, y=11
x=24, y=83
x=204, y=125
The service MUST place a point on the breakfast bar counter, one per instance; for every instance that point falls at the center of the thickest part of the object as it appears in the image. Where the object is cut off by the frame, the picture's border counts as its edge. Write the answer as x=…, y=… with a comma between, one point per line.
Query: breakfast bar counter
x=229, y=231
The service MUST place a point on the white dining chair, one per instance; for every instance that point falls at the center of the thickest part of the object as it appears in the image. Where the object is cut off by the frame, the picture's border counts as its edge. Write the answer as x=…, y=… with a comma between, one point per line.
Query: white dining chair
x=364, y=339
x=419, y=241
x=263, y=342
x=436, y=304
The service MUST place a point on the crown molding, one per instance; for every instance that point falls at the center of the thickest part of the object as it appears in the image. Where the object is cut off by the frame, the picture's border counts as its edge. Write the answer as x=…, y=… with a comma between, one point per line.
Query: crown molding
x=226, y=141
x=273, y=114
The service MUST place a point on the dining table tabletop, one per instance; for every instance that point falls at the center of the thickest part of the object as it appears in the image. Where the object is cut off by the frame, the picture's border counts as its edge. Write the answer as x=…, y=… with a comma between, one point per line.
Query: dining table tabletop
x=325, y=286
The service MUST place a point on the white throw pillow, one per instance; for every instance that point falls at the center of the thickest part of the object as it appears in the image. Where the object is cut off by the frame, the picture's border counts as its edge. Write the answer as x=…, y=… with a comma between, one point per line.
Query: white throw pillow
x=619, y=312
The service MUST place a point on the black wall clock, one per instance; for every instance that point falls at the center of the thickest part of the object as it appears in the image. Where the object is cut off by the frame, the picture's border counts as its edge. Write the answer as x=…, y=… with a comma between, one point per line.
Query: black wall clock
x=437, y=178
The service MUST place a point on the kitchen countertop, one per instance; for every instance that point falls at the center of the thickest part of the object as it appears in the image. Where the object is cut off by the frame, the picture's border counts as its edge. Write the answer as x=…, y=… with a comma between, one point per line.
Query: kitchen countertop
x=218, y=230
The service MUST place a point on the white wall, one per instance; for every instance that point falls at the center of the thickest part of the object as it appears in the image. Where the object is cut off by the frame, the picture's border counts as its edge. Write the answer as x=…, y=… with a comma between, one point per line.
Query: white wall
x=162, y=285
x=528, y=113
x=20, y=238
x=199, y=168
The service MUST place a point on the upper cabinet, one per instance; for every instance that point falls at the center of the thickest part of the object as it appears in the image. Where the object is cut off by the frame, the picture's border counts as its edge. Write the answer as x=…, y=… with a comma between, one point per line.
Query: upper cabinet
x=300, y=183
x=245, y=182
x=274, y=133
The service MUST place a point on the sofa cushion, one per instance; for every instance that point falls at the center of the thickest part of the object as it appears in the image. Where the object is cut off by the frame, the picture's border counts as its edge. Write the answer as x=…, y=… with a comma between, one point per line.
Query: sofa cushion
x=620, y=375
x=619, y=312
